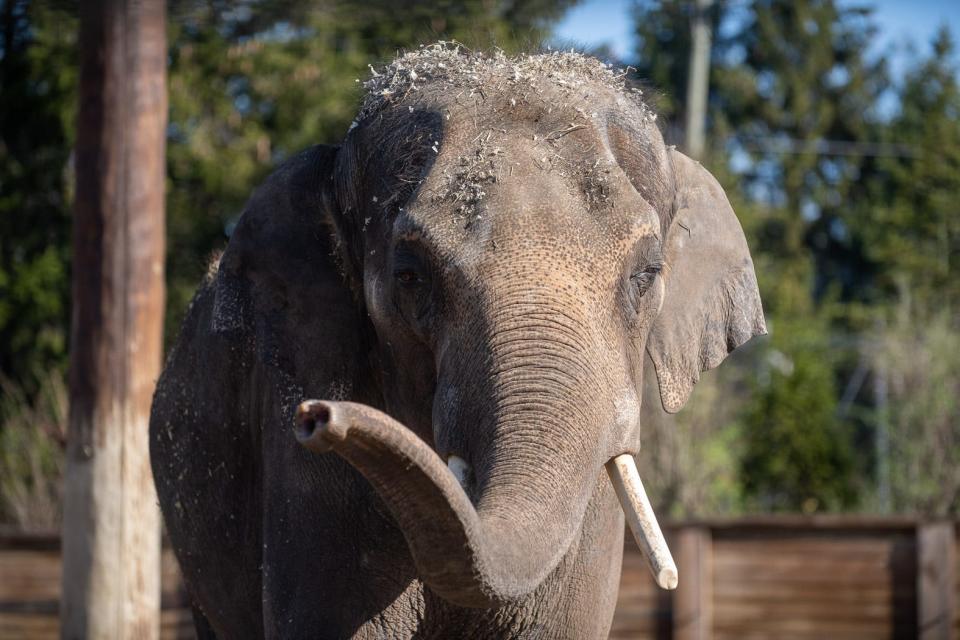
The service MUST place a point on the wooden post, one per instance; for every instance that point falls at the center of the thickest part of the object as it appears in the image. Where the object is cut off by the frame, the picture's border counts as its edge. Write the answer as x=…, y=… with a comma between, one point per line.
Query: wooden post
x=693, y=599
x=111, y=525
x=936, y=563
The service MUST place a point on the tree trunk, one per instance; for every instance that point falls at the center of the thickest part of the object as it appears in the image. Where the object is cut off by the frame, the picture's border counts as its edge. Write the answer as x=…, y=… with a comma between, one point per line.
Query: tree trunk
x=111, y=527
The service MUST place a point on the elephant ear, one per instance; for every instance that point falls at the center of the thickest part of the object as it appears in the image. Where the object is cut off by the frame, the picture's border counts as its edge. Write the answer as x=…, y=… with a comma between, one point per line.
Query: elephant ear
x=711, y=302
x=274, y=323
x=280, y=281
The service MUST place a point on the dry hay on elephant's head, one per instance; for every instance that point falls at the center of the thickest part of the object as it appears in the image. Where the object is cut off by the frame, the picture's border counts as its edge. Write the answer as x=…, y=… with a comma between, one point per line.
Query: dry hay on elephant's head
x=562, y=81
x=451, y=64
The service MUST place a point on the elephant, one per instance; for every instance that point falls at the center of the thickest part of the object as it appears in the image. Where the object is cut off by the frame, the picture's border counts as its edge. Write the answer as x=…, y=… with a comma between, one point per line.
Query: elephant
x=493, y=256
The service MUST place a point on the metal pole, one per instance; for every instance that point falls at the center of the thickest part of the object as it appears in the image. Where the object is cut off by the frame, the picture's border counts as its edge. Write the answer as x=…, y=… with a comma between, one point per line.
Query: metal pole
x=698, y=79
x=111, y=525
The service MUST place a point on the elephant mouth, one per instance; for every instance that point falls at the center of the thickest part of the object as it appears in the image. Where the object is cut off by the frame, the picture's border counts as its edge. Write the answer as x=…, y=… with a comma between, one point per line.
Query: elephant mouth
x=467, y=558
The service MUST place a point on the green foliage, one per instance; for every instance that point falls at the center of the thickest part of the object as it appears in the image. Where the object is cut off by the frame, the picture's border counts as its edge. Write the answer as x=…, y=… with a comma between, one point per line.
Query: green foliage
x=251, y=86
x=856, y=249
x=662, y=56
x=848, y=240
x=797, y=456
x=923, y=373
x=37, y=77
x=690, y=461
x=805, y=79
x=249, y=83
x=912, y=230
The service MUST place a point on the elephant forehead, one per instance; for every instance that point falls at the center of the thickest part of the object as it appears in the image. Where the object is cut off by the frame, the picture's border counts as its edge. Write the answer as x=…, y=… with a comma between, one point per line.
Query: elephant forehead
x=550, y=203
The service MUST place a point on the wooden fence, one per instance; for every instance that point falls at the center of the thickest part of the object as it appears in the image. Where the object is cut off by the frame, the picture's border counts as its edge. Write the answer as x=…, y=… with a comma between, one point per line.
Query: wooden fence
x=770, y=577
x=798, y=577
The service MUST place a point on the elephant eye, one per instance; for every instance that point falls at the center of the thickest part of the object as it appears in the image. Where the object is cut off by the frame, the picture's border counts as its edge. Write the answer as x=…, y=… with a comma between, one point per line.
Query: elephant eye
x=407, y=276
x=411, y=274
x=408, y=267
x=641, y=280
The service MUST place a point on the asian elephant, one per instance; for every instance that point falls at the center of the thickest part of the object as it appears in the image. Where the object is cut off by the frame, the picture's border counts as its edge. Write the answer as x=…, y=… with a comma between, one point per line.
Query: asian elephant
x=489, y=257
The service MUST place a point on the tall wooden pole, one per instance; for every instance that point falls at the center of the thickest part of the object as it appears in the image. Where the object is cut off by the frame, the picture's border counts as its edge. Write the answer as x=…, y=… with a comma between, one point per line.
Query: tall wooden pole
x=111, y=528
x=698, y=79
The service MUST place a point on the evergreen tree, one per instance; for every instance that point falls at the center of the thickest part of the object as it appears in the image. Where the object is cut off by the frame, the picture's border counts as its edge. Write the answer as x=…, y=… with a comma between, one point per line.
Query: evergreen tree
x=37, y=81
x=911, y=228
x=662, y=56
x=250, y=83
x=253, y=83
x=797, y=455
x=805, y=84
x=785, y=77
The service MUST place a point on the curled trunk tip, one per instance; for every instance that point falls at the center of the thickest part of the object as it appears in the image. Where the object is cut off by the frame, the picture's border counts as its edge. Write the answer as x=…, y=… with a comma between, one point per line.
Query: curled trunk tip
x=467, y=559
x=317, y=427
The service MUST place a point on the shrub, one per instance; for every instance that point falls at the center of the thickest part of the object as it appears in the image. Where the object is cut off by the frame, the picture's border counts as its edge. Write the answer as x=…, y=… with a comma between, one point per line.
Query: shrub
x=32, y=442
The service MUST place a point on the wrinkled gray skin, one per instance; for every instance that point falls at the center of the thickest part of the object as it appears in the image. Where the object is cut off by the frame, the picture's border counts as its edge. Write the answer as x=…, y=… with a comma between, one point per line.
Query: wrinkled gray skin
x=507, y=328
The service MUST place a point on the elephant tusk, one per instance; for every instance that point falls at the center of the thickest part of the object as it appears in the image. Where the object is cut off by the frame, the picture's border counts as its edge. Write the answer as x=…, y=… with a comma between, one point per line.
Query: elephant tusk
x=460, y=469
x=319, y=430
x=643, y=522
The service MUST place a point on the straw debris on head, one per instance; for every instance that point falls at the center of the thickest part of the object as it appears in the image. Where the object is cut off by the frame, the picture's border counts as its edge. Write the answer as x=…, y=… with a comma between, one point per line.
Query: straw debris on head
x=449, y=68
x=452, y=64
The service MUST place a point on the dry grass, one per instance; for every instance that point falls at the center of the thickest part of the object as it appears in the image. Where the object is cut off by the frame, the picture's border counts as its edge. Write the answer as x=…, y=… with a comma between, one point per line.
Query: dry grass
x=32, y=441
x=922, y=365
x=450, y=65
x=576, y=84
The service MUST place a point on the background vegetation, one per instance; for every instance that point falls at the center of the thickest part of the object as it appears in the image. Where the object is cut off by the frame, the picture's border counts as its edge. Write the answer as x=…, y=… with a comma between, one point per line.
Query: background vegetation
x=846, y=179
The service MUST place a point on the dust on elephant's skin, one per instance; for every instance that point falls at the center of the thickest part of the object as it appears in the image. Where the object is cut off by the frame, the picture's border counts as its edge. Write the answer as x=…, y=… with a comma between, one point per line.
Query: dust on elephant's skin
x=490, y=257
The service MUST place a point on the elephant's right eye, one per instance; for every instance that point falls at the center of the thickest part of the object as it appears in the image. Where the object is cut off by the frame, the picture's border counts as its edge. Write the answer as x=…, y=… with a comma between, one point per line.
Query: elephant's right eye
x=407, y=277
x=409, y=269
x=413, y=289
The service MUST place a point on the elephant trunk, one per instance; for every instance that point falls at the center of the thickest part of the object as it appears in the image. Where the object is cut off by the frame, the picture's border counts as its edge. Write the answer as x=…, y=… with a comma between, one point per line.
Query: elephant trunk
x=470, y=558
x=529, y=420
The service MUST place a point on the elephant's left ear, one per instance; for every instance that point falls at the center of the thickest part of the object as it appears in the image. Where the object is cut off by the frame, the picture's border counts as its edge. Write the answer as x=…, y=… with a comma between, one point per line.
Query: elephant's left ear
x=711, y=303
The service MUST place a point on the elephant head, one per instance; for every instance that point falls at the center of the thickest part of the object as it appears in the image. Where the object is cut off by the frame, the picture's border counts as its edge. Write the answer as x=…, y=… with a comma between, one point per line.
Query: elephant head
x=519, y=236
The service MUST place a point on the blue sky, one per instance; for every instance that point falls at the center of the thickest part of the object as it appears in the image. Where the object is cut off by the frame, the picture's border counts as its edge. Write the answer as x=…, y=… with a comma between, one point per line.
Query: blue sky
x=901, y=22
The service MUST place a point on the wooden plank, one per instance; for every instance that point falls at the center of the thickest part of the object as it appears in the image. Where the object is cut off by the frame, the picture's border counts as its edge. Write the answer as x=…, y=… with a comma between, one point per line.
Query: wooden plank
x=693, y=602
x=29, y=575
x=814, y=583
x=815, y=563
x=11, y=538
x=758, y=574
x=30, y=593
x=936, y=545
x=791, y=605
x=36, y=575
x=747, y=634
x=870, y=611
x=847, y=594
x=791, y=522
x=820, y=545
x=773, y=628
